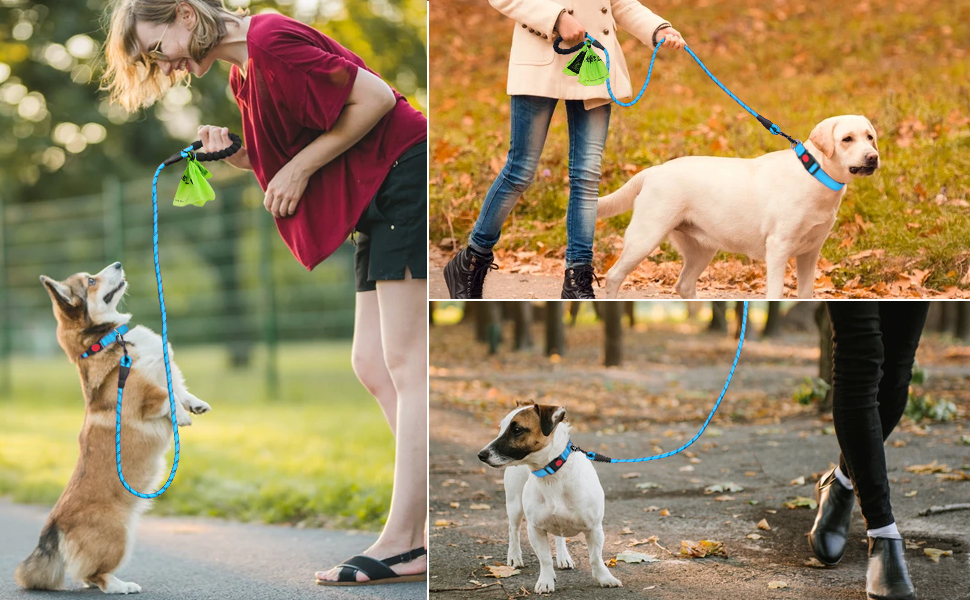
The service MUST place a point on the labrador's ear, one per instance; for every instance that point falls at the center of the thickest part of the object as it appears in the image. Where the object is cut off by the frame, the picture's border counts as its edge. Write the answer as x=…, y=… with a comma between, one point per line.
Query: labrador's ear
x=875, y=137
x=823, y=136
x=59, y=293
x=549, y=417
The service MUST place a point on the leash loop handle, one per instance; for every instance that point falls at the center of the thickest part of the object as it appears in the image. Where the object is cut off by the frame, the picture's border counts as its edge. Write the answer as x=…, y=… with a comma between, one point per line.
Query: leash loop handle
x=206, y=156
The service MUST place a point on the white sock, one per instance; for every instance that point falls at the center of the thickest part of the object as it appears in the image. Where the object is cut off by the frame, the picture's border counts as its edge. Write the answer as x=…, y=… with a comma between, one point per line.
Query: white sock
x=889, y=531
x=845, y=481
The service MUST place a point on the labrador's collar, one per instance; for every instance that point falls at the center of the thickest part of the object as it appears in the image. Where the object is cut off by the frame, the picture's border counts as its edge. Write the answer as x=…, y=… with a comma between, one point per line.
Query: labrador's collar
x=815, y=169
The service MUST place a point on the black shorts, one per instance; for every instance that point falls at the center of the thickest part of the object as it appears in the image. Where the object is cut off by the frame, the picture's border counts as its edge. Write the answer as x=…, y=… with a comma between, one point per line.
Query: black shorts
x=392, y=234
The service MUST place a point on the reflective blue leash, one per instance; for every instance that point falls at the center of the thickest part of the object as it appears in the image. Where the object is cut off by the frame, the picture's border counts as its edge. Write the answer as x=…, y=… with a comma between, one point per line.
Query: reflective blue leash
x=125, y=363
x=560, y=460
x=805, y=158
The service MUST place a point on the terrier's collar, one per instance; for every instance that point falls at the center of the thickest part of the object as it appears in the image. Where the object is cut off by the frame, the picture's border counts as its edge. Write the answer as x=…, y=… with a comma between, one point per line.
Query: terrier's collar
x=556, y=463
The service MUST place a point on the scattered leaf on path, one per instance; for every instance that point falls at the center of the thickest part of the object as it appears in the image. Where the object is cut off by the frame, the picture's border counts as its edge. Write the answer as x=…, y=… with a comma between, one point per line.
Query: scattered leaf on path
x=648, y=485
x=935, y=553
x=626, y=531
x=442, y=523
x=480, y=507
x=777, y=585
x=501, y=571
x=928, y=468
x=702, y=548
x=912, y=493
x=720, y=488
x=665, y=513
x=724, y=498
x=763, y=524
x=814, y=562
x=636, y=557
x=629, y=476
x=454, y=505
x=801, y=502
x=753, y=536
x=798, y=481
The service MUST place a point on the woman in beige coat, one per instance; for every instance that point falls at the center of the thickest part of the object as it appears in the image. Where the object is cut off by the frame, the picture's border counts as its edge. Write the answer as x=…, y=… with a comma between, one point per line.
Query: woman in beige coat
x=536, y=84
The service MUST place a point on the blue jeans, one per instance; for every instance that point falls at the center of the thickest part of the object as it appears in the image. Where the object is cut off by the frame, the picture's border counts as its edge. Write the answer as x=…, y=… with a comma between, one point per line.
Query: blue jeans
x=530, y=124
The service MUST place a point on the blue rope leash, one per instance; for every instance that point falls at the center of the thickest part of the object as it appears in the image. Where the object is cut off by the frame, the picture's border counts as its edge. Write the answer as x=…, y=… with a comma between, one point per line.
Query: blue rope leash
x=125, y=359
x=737, y=355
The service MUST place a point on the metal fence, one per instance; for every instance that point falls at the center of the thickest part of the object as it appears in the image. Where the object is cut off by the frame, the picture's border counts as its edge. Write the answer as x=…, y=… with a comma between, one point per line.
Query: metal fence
x=228, y=277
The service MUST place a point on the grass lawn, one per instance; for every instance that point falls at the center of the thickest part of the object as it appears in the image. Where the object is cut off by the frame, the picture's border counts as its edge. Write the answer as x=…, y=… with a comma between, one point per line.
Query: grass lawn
x=321, y=453
x=902, y=64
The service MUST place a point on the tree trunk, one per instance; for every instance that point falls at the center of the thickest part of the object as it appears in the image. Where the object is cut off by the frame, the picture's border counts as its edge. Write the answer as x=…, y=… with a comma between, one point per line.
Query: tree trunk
x=963, y=321
x=772, y=325
x=718, y=317
x=738, y=318
x=555, y=332
x=630, y=308
x=488, y=323
x=574, y=307
x=522, y=317
x=825, y=363
x=613, y=325
x=948, y=321
x=431, y=306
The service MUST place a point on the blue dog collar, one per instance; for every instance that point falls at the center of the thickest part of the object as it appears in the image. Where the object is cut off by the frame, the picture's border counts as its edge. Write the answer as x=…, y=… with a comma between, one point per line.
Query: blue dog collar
x=106, y=340
x=811, y=165
x=556, y=463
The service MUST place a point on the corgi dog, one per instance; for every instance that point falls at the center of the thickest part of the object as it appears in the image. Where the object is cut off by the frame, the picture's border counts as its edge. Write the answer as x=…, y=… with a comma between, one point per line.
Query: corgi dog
x=89, y=533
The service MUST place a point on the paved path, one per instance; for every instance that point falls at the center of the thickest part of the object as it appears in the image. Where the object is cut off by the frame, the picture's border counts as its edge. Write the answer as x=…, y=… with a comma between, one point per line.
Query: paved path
x=208, y=559
x=761, y=458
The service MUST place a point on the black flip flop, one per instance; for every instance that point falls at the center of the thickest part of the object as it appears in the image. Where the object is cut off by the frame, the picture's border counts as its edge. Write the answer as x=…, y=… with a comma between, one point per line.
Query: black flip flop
x=379, y=571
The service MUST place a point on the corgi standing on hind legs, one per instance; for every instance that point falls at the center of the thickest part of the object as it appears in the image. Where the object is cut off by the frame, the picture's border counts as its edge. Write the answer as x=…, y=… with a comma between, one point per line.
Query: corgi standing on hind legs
x=89, y=533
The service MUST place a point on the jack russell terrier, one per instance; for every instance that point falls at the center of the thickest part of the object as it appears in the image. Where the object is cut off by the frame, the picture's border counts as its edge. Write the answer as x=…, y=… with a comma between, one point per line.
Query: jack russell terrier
x=562, y=495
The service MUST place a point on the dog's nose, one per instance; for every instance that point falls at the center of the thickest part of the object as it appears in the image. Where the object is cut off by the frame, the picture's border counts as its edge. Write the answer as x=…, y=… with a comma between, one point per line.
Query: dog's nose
x=483, y=455
x=117, y=265
x=872, y=160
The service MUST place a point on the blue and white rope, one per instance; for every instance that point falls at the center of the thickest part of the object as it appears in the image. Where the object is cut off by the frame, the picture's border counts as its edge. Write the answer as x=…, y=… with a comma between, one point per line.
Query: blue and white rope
x=168, y=367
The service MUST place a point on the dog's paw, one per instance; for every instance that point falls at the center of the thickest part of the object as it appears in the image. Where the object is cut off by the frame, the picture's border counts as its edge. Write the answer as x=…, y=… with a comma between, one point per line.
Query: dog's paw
x=607, y=580
x=183, y=419
x=564, y=561
x=545, y=585
x=121, y=587
x=198, y=407
x=515, y=560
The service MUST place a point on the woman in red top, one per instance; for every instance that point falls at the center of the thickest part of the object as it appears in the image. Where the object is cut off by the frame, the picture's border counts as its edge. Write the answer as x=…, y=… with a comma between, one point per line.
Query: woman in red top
x=336, y=151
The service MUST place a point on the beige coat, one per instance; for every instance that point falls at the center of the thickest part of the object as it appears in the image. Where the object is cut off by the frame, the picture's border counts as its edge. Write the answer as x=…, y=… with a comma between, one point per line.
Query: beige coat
x=535, y=68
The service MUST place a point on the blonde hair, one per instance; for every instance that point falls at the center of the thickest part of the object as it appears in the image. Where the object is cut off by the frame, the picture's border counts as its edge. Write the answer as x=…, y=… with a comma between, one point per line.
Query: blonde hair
x=132, y=80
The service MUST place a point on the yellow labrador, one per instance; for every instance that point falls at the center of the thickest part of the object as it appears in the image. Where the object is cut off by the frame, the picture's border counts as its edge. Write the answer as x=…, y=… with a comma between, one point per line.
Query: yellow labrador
x=769, y=207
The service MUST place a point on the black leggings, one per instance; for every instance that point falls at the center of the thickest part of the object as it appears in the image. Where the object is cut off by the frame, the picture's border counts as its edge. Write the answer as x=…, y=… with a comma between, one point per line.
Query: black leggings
x=875, y=345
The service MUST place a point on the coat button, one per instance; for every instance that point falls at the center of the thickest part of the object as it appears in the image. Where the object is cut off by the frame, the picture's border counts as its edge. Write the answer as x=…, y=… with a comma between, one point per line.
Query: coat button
x=570, y=11
x=531, y=30
x=603, y=10
x=545, y=37
x=606, y=32
x=524, y=26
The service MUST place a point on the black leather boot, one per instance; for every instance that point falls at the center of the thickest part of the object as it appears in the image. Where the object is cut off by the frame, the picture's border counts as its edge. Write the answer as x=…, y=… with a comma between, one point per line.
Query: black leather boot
x=831, y=530
x=578, y=283
x=888, y=577
x=465, y=273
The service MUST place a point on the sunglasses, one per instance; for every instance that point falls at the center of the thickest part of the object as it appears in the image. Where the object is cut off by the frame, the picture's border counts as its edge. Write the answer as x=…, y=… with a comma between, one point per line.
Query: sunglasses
x=156, y=54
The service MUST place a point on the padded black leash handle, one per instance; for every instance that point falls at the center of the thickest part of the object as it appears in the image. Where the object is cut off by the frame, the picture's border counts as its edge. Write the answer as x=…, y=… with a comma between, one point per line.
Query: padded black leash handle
x=207, y=156
x=576, y=48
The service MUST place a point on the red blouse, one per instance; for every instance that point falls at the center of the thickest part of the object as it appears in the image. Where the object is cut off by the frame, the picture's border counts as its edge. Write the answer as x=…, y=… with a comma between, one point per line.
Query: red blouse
x=297, y=82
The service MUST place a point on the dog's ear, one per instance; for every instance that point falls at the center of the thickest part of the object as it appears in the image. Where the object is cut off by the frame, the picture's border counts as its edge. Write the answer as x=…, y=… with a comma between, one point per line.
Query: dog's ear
x=823, y=136
x=549, y=417
x=875, y=138
x=60, y=293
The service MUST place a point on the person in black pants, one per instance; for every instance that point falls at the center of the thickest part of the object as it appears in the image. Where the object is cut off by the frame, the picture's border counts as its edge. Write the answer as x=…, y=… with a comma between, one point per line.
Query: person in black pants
x=874, y=349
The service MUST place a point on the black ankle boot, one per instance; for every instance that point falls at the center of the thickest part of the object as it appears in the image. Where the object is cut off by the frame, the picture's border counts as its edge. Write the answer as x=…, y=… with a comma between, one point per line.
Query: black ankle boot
x=578, y=283
x=888, y=577
x=465, y=273
x=831, y=530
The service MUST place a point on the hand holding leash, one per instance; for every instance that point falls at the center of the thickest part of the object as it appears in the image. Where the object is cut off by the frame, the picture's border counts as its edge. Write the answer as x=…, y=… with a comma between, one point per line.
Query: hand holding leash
x=569, y=28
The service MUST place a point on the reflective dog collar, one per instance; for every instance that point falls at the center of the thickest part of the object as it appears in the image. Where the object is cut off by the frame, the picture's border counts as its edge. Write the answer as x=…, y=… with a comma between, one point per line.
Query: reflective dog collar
x=811, y=165
x=556, y=463
x=105, y=341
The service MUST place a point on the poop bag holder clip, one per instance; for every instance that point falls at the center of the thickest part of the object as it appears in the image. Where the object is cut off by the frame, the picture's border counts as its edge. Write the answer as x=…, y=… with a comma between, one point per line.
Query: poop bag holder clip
x=193, y=188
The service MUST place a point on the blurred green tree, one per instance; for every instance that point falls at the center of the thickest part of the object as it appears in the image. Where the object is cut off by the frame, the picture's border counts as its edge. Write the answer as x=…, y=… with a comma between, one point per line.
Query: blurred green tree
x=59, y=136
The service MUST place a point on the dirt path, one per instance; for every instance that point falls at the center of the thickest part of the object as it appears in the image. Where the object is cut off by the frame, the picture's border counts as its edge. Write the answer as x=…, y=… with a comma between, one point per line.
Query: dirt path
x=762, y=459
